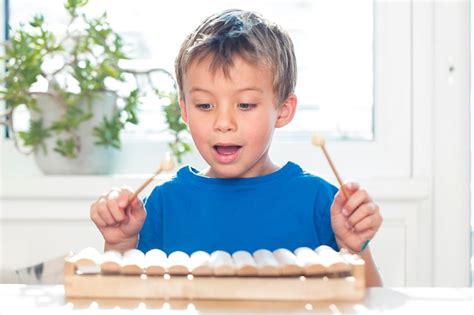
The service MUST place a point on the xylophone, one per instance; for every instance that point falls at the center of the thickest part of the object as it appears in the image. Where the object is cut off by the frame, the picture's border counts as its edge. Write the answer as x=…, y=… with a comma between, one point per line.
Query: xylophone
x=305, y=274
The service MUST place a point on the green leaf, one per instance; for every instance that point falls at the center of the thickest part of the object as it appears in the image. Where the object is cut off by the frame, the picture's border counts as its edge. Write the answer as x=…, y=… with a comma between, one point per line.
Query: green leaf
x=68, y=147
x=37, y=21
x=131, y=107
x=176, y=126
x=72, y=6
x=71, y=120
x=35, y=135
x=108, y=132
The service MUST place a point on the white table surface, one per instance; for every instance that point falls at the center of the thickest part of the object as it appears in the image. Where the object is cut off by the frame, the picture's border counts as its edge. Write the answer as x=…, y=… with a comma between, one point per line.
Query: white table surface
x=49, y=299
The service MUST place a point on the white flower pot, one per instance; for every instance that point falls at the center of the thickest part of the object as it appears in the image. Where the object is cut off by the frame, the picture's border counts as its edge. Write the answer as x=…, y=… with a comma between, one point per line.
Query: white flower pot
x=92, y=158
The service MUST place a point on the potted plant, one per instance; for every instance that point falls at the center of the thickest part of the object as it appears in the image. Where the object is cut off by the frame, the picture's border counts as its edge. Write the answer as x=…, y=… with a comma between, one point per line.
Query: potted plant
x=66, y=83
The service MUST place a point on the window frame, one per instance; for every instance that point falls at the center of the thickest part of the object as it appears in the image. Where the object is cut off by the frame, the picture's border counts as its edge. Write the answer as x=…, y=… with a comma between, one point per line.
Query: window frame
x=387, y=155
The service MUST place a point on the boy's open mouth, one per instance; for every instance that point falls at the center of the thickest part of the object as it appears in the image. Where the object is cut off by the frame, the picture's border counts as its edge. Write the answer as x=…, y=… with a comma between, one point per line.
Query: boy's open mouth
x=226, y=153
x=226, y=149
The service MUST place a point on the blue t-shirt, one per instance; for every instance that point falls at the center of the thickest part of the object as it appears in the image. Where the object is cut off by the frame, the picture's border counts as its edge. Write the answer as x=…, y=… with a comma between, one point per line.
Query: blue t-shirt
x=285, y=209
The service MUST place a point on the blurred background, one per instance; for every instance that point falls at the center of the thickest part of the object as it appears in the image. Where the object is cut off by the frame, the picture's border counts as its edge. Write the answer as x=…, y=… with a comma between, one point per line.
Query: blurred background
x=387, y=83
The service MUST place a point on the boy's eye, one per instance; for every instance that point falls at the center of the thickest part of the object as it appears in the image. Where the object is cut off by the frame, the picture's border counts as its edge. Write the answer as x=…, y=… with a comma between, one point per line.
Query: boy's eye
x=246, y=106
x=204, y=106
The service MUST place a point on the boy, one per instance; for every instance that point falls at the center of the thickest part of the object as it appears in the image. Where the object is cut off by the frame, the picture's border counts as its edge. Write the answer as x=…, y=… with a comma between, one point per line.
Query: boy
x=236, y=75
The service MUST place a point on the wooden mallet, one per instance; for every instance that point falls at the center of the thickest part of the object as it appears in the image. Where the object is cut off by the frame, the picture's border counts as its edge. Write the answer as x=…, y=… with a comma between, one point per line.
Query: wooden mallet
x=320, y=142
x=167, y=164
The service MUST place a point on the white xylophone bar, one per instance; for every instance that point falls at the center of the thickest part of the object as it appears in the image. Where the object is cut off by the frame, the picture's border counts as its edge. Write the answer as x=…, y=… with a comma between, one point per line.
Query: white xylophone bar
x=267, y=265
x=155, y=262
x=244, y=263
x=287, y=262
x=178, y=262
x=199, y=264
x=222, y=263
x=133, y=262
x=111, y=262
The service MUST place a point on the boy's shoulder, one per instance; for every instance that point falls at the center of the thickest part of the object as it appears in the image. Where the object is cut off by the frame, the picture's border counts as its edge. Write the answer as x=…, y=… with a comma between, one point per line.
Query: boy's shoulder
x=168, y=183
x=307, y=177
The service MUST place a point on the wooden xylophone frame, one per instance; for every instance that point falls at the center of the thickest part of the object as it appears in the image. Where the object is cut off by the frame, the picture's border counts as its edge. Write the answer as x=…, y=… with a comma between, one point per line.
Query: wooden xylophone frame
x=331, y=287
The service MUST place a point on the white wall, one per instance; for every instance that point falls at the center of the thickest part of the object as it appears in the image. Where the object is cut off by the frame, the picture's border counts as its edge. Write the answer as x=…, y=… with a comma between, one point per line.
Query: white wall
x=451, y=151
x=2, y=29
x=416, y=169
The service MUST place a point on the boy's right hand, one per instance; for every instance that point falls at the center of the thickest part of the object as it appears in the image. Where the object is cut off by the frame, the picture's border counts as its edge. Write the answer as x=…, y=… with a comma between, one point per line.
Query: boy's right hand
x=118, y=218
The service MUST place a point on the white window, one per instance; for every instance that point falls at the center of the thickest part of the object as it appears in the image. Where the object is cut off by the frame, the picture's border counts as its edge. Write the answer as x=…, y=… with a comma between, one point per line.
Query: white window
x=336, y=44
x=333, y=42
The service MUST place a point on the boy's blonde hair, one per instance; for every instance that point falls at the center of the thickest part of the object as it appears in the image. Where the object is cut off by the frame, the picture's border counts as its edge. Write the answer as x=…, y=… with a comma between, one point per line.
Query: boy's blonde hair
x=247, y=35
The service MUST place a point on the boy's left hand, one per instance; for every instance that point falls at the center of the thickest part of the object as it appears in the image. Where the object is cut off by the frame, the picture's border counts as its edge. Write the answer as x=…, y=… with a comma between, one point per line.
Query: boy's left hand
x=354, y=220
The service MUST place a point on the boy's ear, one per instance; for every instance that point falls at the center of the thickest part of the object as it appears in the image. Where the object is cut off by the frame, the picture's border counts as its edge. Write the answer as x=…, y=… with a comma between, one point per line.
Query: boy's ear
x=184, y=113
x=287, y=111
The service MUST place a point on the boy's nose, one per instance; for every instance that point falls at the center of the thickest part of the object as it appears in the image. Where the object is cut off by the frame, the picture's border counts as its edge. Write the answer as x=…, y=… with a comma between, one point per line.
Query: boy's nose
x=225, y=121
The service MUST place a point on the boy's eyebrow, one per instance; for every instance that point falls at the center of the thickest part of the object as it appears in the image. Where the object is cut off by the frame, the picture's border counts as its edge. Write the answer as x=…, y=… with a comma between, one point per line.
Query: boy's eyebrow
x=198, y=89
x=250, y=88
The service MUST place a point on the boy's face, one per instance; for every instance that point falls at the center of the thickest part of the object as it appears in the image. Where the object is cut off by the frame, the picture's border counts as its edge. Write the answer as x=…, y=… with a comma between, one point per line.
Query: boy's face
x=232, y=119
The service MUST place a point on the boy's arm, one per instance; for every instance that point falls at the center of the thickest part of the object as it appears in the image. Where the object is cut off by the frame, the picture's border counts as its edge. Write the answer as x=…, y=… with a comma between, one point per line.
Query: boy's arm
x=372, y=276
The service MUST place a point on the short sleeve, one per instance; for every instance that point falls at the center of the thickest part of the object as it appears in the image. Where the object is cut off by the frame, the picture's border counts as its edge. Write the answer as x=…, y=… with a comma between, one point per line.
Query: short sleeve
x=151, y=234
x=322, y=215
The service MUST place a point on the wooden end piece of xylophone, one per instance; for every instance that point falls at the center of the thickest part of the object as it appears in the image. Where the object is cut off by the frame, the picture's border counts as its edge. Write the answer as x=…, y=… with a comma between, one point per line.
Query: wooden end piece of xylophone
x=305, y=274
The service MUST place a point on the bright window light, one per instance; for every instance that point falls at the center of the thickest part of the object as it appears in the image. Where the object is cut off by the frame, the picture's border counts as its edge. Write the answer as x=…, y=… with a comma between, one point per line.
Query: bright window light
x=333, y=41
